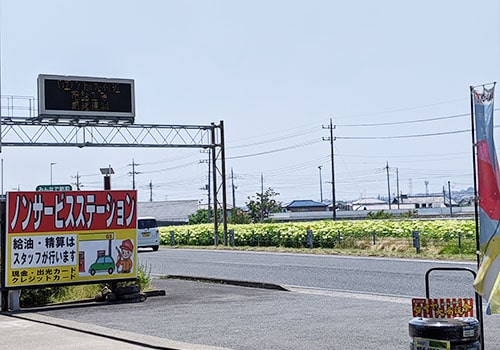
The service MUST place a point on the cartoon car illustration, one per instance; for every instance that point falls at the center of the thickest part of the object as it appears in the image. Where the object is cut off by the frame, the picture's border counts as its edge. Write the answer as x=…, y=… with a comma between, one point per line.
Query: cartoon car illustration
x=103, y=263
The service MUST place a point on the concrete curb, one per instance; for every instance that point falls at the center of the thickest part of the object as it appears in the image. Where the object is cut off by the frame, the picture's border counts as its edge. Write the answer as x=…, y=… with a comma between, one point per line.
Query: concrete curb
x=83, y=303
x=239, y=283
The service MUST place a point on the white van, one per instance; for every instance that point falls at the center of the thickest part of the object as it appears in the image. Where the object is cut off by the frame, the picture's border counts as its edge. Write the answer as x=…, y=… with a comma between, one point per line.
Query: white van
x=148, y=234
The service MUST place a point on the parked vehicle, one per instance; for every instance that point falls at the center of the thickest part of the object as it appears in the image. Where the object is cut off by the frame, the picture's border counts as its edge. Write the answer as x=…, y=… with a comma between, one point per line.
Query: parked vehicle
x=148, y=234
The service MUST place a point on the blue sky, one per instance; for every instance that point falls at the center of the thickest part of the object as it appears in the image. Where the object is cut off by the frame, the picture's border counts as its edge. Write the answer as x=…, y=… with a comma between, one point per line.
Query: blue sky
x=393, y=75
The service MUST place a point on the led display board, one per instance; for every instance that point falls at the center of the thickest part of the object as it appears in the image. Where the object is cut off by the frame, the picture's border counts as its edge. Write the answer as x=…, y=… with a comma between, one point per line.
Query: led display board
x=72, y=97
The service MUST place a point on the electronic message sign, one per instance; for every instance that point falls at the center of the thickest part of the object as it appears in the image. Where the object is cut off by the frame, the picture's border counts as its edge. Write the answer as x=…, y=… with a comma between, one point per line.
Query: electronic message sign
x=70, y=237
x=77, y=98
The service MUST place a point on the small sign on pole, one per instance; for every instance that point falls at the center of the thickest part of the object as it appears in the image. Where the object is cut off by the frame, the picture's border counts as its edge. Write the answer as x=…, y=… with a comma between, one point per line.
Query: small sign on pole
x=60, y=188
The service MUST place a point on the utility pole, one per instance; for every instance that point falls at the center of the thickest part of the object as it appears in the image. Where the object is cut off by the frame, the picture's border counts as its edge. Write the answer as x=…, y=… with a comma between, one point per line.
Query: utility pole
x=449, y=197
x=233, y=188
x=51, y=165
x=261, y=197
x=388, y=184
x=444, y=196
x=208, y=185
x=331, y=139
x=133, y=172
x=77, y=183
x=320, y=185
x=397, y=186
x=150, y=190
x=388, y=169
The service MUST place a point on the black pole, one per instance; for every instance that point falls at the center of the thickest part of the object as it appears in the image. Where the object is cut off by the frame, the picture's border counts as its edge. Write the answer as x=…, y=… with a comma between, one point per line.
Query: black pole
x=261, y=197
x=388, y=184
x=334, y=202
x=474, y=172
x=209, y=215
x=398, y=195
x=449, y=198
x=223, y=181
x=133, y=174
x=214, y=184
x=233, y=189
x=320, y=185
x=150, y=190
x=476, y=213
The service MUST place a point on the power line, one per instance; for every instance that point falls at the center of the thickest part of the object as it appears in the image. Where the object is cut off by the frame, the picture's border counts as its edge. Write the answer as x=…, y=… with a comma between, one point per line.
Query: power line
x=400, y=109
x=406, y=122
x=303, y=144
x=400, y=136
x=171, y=168
x=276, y=139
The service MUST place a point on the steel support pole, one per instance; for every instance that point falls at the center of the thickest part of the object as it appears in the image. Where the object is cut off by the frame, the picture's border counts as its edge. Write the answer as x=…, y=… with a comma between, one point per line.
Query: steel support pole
x=214, y=184
x=223, y=181
x=476, y=211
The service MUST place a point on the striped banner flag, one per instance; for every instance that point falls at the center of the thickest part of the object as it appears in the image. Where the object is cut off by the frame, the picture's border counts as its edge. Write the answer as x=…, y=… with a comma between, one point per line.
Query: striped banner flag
x=487, y=280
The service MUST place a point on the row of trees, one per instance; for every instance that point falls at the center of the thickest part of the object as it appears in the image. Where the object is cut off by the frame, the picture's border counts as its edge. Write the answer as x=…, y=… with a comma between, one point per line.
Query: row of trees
x=258, y=208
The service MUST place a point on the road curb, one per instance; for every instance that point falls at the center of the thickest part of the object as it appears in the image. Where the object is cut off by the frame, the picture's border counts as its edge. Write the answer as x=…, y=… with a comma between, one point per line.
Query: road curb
x=251, y=284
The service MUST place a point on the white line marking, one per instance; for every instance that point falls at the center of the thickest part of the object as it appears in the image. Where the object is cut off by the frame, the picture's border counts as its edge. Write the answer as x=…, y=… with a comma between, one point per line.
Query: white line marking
x=350, y=295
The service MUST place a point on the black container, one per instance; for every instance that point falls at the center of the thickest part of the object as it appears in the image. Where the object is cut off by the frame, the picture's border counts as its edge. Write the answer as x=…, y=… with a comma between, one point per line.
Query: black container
x=461, y=332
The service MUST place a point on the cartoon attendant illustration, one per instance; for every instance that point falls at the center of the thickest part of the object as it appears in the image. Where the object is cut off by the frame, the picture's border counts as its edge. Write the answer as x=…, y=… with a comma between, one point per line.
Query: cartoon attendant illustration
x=124, y=257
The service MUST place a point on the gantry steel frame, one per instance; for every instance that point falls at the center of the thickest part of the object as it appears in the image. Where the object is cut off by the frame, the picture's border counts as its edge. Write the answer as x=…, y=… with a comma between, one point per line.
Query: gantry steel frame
x=61, y=132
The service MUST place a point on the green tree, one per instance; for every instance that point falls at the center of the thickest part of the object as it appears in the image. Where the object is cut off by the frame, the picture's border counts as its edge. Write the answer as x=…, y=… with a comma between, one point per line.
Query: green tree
x=200, y=217
x=262, y=204
x=238, y=216
x=379, y=215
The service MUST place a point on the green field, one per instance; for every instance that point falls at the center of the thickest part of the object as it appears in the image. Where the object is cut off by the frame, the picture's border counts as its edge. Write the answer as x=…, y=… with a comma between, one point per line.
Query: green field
x=438, y=238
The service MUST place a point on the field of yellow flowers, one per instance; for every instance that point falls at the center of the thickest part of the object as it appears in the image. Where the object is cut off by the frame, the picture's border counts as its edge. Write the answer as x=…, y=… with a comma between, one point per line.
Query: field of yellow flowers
x=445, y=235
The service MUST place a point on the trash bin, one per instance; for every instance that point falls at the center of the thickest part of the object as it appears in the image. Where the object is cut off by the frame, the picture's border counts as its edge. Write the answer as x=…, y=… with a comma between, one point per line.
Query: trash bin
x=461, y=333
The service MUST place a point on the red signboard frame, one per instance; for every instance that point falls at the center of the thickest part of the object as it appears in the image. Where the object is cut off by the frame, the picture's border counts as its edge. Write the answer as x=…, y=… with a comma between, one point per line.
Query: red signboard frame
x=70, y=237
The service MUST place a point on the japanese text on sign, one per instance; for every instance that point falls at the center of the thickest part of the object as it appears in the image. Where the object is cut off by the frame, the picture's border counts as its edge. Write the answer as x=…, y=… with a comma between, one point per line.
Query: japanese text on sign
x=58, y=211
x=443, y=308
x=43, y=275
x=37, y=251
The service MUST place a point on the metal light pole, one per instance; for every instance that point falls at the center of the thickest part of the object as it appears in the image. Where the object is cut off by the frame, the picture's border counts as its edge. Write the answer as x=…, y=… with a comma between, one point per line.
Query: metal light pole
x=51, y=165
x=320, y=185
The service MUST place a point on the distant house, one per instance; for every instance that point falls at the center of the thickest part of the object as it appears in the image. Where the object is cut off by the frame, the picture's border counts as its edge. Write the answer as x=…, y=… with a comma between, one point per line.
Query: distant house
x=370, y=204
x=305, y=206
x=427, y=201
x=168, y=212
x=406, y=203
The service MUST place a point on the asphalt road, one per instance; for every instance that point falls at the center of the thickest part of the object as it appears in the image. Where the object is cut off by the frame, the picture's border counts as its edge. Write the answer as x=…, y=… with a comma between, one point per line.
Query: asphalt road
x=333, y=302
x=398, y=277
